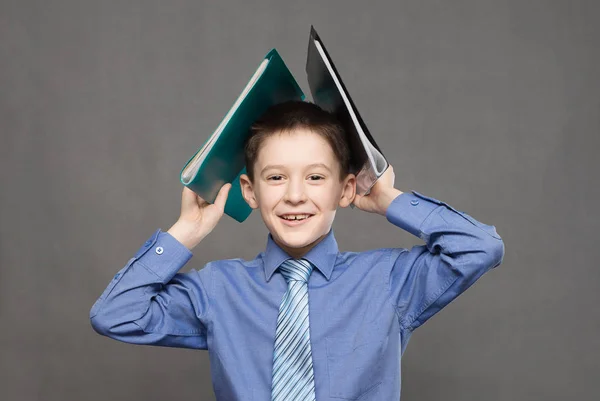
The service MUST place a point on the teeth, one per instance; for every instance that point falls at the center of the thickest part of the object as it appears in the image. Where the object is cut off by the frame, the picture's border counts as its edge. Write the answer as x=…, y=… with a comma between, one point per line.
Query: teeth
x=296, y=217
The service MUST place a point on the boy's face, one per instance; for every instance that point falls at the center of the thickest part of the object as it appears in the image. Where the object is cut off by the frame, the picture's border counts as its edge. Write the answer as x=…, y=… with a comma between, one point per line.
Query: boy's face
x=297, y=188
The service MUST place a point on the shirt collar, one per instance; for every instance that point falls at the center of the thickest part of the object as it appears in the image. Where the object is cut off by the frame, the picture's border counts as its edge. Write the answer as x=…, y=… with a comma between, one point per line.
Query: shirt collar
x=322, y=256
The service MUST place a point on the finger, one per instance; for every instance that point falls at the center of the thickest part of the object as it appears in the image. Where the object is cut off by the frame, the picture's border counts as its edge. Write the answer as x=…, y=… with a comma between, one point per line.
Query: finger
x=190, y=199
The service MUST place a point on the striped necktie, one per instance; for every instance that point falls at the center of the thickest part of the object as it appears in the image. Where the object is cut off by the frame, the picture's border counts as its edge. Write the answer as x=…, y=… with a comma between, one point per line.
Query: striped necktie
x=293, y=377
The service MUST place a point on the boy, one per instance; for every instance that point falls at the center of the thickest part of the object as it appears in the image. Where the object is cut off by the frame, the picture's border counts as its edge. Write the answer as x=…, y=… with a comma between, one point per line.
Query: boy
x=301, y=321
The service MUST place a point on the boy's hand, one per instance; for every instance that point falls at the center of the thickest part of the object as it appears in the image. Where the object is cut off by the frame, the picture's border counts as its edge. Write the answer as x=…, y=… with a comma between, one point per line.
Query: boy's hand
x=381, y=195
x=198, y=217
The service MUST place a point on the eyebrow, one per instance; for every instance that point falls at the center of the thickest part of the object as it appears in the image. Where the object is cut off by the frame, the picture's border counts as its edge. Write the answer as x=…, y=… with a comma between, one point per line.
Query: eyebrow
x=281, y=166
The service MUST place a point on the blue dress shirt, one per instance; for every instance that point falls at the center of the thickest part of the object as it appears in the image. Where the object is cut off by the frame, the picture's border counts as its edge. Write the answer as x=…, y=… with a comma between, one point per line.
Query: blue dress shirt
x=363, y=306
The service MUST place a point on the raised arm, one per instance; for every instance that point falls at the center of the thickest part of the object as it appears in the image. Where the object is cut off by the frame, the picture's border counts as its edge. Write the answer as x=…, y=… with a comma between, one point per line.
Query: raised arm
x=458, y=250
x=148, y=301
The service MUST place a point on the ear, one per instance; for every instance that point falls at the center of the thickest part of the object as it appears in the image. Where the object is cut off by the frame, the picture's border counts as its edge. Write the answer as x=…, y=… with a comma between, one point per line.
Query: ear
x=248, y=191
x=348, y=190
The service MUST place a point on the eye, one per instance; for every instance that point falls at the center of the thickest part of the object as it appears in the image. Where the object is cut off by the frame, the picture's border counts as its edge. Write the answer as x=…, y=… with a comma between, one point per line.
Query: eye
x=316, y=177
x=275, y=178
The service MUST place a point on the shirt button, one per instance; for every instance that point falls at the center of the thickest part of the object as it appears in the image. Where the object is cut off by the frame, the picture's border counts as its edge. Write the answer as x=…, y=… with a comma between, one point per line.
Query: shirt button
x=159, y=250
x=414, y=202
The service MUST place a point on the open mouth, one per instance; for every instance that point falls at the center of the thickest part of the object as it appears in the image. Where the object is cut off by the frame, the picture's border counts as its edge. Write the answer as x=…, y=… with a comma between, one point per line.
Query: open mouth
x=295, y=219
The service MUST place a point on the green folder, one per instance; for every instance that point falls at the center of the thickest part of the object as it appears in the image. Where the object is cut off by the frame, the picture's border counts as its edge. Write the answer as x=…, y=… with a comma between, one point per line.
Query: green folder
x=221, y=159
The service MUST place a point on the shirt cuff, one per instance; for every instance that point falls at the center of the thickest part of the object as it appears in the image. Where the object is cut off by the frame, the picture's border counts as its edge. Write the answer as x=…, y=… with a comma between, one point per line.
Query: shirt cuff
x=409, y=210
x=163, y=255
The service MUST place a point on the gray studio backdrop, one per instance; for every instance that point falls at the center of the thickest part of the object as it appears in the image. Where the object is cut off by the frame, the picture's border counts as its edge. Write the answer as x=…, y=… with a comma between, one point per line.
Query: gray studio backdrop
x=491, y=106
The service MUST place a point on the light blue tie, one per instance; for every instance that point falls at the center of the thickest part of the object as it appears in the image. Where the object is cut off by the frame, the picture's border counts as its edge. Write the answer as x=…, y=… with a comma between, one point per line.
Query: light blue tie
x=293, y=376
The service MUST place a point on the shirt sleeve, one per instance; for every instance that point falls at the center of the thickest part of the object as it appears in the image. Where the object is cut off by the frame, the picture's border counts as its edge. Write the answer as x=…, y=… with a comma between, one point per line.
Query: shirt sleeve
x=458, y=250
x=148, y=302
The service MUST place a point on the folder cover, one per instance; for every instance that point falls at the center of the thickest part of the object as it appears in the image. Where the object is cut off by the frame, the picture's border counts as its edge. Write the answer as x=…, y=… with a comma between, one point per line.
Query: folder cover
x=221, y=159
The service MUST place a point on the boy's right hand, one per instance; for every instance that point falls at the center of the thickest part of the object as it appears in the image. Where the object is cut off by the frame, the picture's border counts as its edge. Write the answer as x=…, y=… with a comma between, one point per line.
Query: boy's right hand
x=198, y=217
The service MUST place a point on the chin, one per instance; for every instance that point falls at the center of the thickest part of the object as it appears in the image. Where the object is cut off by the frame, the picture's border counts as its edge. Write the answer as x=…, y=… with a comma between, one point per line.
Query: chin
x=298, y=240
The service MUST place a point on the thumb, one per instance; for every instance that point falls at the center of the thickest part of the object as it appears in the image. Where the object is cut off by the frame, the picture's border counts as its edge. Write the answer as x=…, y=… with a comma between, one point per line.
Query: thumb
x=222, y=196
x=357, y=200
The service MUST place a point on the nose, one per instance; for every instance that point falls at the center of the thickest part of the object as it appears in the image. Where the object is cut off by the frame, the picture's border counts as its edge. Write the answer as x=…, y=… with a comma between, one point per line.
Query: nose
x=295, y=191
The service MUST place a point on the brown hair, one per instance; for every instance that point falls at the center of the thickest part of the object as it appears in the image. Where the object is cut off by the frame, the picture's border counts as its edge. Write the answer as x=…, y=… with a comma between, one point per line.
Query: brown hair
x=284, y=117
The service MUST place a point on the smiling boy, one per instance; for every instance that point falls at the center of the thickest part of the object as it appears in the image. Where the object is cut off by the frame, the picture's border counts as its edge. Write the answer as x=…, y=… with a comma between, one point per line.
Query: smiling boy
x=301, y=321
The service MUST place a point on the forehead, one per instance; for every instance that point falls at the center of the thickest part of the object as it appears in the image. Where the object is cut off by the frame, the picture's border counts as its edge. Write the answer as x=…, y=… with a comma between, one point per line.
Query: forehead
x=295, y=148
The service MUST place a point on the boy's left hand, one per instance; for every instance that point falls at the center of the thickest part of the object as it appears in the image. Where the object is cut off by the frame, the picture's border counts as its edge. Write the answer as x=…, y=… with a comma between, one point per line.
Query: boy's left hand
x=381, y=196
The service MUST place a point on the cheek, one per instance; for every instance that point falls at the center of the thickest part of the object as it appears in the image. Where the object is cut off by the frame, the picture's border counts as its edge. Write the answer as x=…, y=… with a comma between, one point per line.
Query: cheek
x=270, y=196
x=326, y=197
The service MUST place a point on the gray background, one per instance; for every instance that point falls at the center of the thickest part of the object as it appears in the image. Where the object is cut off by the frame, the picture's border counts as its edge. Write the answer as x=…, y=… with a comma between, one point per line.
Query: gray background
x=491, y=106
